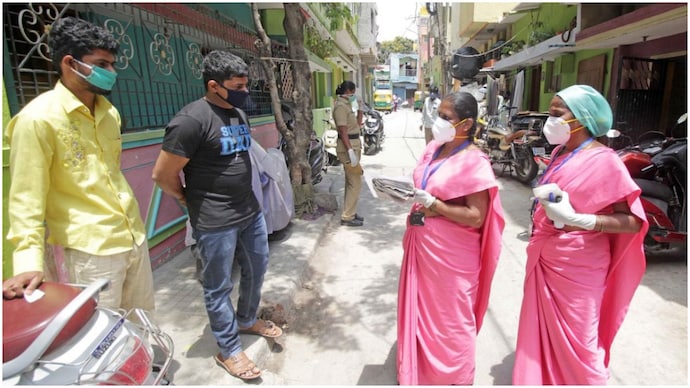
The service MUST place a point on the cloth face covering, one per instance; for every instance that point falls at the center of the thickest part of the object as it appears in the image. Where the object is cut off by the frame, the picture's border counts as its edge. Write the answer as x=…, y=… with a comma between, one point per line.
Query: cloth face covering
x=99, y=77
x=353, y=102
x=235, y=98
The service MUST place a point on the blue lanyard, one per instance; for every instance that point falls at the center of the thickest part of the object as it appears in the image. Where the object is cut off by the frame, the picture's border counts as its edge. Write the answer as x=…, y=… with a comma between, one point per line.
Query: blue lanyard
x=544, y=179
x=428, y=174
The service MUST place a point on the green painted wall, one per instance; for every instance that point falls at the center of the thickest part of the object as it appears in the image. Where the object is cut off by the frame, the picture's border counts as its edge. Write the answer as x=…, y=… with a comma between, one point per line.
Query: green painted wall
x=272, y=20
x=554, y=16
x=319, y=115
x=240, y=12
x=570, y=78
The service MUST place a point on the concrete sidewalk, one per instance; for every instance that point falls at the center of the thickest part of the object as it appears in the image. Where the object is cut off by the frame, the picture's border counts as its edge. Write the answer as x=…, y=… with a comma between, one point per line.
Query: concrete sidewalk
x=180, y=310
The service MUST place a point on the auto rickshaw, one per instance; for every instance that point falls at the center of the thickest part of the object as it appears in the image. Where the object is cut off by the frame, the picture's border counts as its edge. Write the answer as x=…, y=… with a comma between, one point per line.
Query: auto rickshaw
x=419, y=97
x=383, y=100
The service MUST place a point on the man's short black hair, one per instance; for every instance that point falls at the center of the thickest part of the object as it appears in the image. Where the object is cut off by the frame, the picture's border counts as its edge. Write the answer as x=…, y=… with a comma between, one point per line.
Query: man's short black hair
x=77, y=37
x=221, y=65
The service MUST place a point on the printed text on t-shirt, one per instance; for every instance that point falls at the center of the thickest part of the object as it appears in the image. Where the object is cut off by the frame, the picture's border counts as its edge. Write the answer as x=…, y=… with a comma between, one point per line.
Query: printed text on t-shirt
x=234, y=139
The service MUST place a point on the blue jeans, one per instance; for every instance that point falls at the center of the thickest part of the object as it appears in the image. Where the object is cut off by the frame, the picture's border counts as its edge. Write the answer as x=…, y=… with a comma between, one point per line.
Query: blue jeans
x=217, y=249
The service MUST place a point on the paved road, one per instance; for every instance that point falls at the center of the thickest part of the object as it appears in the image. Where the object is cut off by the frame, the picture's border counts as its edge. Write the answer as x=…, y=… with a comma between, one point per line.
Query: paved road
x=343, y=328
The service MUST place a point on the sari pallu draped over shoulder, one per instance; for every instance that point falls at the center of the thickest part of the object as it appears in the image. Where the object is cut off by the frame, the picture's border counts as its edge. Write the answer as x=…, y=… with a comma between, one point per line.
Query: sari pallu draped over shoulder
x=446, y=276
x=578, y=285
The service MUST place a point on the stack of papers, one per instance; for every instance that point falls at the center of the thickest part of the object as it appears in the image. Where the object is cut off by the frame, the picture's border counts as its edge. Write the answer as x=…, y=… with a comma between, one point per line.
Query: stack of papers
x=397, y=189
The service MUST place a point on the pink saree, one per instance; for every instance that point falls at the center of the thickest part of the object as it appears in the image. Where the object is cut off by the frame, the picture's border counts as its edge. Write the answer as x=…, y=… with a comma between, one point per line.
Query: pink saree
x=578, y=285
x=446, y=276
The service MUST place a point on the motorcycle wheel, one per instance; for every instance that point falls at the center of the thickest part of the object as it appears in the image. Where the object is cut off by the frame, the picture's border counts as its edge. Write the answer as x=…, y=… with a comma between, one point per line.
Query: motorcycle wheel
x=332, y=160
x=369, y=149
x=526, y=168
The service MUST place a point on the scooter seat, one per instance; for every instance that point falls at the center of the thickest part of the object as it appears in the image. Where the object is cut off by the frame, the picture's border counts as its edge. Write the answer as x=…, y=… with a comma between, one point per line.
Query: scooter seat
x=499, y=131
x=23, y=321
x=654, y=189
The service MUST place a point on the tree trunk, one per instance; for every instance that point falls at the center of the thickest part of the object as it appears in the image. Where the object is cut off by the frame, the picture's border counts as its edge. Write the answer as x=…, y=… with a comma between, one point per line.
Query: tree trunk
x=293, y=24
x=297, y=140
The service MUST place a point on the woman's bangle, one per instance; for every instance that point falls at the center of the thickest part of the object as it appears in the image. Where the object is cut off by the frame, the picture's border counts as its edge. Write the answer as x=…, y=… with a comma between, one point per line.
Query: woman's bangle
x=433, y=205
x=601, y=224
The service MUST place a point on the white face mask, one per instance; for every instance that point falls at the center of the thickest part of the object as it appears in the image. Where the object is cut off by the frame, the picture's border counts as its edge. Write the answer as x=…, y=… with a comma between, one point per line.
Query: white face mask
x=443, y=131
x=557, y=130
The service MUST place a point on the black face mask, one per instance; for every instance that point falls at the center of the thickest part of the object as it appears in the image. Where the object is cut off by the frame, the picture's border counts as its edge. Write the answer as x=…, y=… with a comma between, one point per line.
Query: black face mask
x=235, y=98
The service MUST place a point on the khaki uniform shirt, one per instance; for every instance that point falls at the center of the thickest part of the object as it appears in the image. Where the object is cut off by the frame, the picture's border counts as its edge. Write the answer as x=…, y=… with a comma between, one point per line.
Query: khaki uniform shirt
x=344, y=116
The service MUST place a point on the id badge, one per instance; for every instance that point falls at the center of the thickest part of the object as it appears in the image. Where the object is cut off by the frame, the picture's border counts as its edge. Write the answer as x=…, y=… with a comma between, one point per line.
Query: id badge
x=417, y=219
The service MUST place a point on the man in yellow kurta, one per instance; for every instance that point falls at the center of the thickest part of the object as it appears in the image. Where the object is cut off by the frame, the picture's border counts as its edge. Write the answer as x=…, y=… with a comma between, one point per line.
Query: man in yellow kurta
x=66, y=182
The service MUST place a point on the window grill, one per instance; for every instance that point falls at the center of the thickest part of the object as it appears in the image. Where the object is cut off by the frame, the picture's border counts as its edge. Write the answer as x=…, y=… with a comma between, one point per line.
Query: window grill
x=640, y=94
x=32, y=70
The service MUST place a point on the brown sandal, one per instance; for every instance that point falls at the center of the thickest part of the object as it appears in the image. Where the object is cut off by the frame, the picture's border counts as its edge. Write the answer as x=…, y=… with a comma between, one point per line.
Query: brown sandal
x=239, y=366
x=263, y=328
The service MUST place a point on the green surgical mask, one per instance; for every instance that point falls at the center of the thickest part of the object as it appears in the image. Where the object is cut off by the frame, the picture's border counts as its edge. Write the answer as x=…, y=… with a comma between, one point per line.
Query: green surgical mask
x=99, y=77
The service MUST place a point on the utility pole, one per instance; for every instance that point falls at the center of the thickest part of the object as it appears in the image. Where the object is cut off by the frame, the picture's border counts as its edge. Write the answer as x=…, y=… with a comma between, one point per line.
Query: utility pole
x=440, y=16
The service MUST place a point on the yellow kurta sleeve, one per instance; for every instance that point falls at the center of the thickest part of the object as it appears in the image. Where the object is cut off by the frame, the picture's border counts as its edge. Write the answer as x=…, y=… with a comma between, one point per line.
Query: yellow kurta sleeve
x=30, y=159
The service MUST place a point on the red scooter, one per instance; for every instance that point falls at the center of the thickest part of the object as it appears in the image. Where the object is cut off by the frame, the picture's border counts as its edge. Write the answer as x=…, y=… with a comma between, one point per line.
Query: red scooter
x=658, y=166
x=65, y=338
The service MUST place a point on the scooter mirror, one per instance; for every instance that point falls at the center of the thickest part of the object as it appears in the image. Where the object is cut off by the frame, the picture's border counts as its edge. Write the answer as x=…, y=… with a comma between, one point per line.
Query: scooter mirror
x=613, y=133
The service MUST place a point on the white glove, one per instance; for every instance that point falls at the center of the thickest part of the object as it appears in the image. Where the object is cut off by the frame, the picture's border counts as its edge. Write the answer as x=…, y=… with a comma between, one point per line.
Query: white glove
x=563, y=212
x=423, y=197
x=353, y=157
x=549, y=192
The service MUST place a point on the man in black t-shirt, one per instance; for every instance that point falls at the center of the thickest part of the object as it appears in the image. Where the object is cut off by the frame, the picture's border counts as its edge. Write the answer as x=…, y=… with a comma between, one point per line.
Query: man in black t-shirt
x=209, y=140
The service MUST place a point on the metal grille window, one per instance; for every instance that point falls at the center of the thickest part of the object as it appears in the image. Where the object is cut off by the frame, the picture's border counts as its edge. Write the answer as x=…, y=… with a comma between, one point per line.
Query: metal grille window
x=27, y=49
x=640, y=94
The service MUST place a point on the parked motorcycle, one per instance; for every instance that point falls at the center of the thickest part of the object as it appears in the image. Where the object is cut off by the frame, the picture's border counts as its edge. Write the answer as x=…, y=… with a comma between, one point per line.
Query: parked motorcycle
x=372, y=131
x=316, y=151
x=658, y=166
x=514, y=146
x=330, y=142
x=65, y=338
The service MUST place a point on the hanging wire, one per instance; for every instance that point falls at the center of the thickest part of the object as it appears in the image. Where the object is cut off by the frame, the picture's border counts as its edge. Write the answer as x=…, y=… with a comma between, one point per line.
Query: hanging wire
x=492, y=50
x=284, y=59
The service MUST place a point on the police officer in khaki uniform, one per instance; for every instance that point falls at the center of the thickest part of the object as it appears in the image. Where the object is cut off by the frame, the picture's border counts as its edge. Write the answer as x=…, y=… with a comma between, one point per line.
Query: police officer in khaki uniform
x=349, y=150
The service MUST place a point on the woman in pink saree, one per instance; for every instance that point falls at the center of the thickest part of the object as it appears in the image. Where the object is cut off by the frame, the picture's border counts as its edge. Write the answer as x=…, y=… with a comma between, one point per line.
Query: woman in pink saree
x=451, y=248
x=585, y=257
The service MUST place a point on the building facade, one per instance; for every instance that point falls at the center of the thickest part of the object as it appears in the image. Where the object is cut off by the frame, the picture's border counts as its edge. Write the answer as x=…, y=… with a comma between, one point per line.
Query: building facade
x=635, y=54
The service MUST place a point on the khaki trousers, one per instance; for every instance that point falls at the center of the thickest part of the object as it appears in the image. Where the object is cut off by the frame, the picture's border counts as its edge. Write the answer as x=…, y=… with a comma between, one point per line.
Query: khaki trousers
x=353, y=182
x=428, y=136
x=131, y=279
